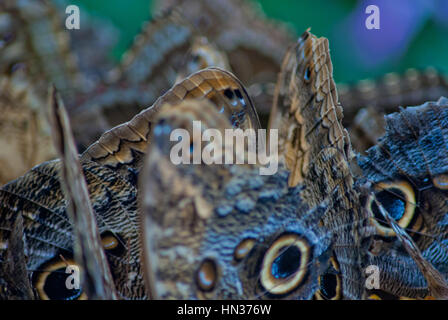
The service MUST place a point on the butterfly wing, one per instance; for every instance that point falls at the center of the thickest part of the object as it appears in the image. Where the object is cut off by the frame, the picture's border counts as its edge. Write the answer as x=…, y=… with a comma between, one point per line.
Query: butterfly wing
x=406, y=171
x=89, y=253
x=254, y=44
x=38, y=195
x=14, y=279
x=384, y=95
x=215, y=231
x=164, y=53
x=122, y=147
x=48, y=234
x=315, y=148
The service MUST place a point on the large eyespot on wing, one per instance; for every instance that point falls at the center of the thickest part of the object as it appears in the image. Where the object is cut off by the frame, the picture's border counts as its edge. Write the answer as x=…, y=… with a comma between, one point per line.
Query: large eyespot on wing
x=330, y=283
x=315, y=147
x=436, y=282
x=398, y=198
x=285, y=264
x=207, y=227
x=55, y=280
x=413, y=149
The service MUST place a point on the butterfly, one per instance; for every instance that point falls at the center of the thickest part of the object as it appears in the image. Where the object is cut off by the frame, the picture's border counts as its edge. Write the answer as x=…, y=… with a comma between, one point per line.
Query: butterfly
x=300, y=233
x=405, y=175
x=208, y=222
x=110, y=168
x=224, y=231
x=316, y=150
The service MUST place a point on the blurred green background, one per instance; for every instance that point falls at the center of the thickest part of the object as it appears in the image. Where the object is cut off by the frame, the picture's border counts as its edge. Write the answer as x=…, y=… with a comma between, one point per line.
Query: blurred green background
x=428, y=45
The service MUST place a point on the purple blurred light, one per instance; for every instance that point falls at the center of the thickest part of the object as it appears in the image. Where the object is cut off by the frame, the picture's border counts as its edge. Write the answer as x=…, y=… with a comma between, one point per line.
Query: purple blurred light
x=400, y=20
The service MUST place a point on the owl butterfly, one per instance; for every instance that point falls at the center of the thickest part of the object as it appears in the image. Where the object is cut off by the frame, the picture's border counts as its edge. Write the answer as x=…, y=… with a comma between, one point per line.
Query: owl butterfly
x=316, y=149
x=383, y=96
x=32, y=34
x=167, y=51
x=224, y=237
x=406, y=174
x=25, y=138
x=110, y=167
x=218, y=231
x=255, y=45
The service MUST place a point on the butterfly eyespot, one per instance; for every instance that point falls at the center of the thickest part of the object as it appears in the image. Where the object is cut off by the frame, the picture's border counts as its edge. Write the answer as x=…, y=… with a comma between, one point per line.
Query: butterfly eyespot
x=243, y=249
x=398, y=199
x=307, y=75
x=112, y=243
x=441, y=181
x=284, y=265
x=228, y=93
x=52, y=280
x=330, y=284
x=207, y=275
x=238, y=94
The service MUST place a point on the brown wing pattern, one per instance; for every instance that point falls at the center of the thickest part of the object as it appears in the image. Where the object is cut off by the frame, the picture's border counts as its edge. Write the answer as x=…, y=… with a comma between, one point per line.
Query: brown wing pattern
x=122, y=146
x=88, y=250
x=218, y=231
x=316, y=149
